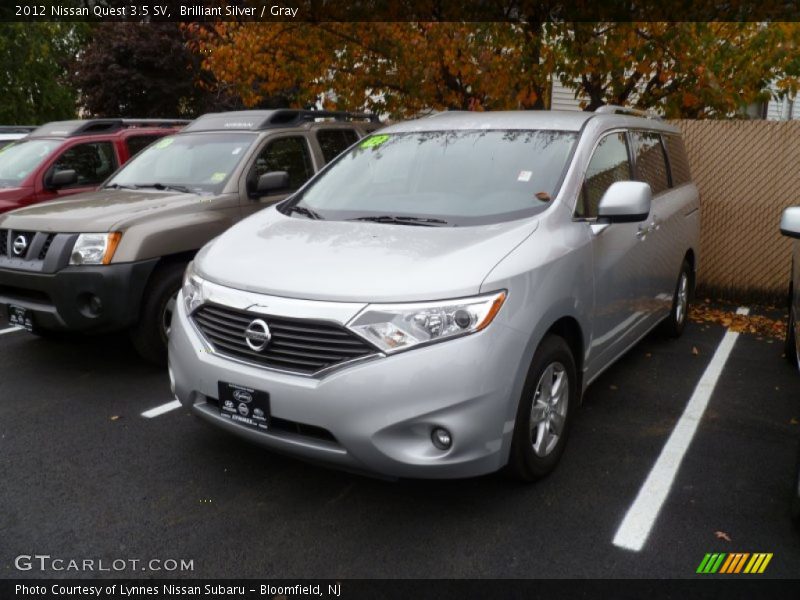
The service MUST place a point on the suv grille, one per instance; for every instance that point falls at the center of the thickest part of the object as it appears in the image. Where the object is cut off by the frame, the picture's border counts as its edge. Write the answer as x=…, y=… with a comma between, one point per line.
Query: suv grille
x=3, y=242
x=296, y=345
x=46, y=246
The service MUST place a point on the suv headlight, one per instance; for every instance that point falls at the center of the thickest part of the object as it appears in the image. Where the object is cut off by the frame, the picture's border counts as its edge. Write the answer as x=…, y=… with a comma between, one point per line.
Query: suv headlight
x=94, y=248
x=396, y=327
x=192, y=289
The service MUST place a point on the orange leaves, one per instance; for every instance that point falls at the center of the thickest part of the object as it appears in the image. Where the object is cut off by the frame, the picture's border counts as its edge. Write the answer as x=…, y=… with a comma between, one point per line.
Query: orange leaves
x=755, y=324
x=406, y=68
x=398, y=68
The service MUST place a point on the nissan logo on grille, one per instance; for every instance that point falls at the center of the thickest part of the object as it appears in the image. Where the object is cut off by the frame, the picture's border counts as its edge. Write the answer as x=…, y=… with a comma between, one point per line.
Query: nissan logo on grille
x=257, y=335
x=20, y=245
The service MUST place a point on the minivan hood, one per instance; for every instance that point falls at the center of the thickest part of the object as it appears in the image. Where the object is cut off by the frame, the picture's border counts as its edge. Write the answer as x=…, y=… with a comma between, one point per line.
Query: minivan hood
x=347, y=261
x=100, y=211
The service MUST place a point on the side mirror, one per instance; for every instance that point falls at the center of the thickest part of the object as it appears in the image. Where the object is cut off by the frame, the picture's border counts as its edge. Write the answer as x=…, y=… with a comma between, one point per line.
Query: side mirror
x=625, y=202
x=63, y=178
x=790, y=222
x=272, y=182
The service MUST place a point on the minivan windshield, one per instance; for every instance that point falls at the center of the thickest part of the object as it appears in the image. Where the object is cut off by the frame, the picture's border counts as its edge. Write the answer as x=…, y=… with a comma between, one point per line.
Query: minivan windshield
x=440, y=178
x=193, y=162
x=19, y=159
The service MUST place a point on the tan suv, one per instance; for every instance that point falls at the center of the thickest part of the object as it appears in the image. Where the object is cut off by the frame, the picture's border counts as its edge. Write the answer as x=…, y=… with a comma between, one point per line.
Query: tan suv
x=113, y=259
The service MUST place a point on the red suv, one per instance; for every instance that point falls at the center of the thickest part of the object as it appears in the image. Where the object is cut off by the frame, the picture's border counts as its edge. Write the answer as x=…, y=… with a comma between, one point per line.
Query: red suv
x=68, y=157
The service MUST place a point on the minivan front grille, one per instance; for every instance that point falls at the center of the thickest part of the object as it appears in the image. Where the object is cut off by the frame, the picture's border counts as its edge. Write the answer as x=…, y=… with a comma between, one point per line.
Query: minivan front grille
x=298, y=345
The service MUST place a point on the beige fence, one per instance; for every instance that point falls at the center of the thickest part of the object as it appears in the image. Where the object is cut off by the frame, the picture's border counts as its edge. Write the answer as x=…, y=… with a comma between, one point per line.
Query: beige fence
x=747, y=172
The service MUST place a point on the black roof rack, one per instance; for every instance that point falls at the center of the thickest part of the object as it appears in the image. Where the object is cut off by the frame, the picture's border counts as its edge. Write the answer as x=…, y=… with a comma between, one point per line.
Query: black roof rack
x=17, y=128
x=90, y=126
x=259, y=120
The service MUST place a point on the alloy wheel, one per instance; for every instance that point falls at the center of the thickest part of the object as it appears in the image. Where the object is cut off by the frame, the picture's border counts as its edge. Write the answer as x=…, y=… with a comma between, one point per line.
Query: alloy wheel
x=549, y=410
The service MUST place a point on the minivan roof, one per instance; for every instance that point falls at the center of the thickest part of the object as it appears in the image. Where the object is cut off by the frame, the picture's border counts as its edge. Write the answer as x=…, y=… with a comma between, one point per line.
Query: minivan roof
x=557, y=120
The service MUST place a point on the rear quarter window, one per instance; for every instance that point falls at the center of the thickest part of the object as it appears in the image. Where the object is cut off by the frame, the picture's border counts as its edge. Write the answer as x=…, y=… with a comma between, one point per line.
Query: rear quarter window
x=333, y=142
x=137, y=143
x=678, y=160
x=651, y=163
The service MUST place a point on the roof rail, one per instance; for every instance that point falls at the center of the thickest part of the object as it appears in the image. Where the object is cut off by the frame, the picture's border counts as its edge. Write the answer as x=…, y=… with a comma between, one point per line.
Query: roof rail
x=89, y=126
x=613, y=109
x=155, y=122
x=290, y=116
x=259, y=120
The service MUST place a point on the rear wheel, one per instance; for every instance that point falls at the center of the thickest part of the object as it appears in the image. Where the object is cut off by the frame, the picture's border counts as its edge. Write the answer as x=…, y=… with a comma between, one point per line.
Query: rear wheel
x=151, y=334
x=544, y=413
x=676, y=321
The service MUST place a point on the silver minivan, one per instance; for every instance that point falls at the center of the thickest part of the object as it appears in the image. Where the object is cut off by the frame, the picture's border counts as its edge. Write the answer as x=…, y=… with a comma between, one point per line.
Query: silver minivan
x=435, y=302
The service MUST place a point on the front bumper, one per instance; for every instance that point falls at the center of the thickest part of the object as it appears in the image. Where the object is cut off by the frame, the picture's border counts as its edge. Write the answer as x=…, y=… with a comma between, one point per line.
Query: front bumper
x=61, y=301
x=376, y=416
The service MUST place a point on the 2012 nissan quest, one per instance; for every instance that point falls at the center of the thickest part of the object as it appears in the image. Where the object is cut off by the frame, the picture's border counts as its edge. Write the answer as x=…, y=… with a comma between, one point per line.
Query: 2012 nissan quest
x=435, y=302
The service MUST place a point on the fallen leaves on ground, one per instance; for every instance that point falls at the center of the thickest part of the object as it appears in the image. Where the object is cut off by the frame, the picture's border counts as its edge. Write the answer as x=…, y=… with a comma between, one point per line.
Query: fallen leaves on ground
x=757, y=324
x=721, y=535
x=115, y=418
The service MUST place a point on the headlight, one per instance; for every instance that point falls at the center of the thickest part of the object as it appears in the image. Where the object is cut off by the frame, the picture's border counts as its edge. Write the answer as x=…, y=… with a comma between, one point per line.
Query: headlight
x=192, y=289
x=94, y=248
x=396, y=327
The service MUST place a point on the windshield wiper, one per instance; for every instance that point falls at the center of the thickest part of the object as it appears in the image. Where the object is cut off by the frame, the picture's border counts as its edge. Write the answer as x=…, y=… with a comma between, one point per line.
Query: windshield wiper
x=166, y=186
x=119, y=186
x=399, y=220
x=303, y=211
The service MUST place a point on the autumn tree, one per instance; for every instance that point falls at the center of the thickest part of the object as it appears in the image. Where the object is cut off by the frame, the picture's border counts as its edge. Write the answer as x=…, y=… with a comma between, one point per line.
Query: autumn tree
x=398, y=68
x=406, y=68
x=34, y=79
x=694, y=70
x=144, y=70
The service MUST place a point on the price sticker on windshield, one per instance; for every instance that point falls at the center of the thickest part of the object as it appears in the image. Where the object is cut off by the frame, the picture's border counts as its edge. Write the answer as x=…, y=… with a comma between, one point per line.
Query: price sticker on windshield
x=375, y=140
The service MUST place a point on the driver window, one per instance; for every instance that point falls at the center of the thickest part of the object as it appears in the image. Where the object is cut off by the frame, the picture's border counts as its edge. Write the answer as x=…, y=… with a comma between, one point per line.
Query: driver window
x=608, y=165
x=93, y=162
x=288, y=154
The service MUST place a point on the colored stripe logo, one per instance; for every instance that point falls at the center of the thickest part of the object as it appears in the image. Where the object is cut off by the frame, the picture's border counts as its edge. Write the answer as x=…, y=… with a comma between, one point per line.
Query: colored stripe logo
x=734, y=563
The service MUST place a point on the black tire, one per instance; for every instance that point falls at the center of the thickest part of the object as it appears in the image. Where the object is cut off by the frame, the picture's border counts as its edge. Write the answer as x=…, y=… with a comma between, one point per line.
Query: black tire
x=789, y=343
x=524, y=463
x=675, y=323
x=49, y=334
x=149, y=336
x=796, y=496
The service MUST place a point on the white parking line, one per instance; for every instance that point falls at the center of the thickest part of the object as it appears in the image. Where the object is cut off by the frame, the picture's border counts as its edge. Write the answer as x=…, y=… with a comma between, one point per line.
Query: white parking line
x=160, y=410
x=641, y=516
x=10, y=330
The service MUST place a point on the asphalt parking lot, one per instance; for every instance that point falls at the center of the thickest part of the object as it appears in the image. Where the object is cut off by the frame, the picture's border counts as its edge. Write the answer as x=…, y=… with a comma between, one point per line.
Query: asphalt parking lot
x=85, y=475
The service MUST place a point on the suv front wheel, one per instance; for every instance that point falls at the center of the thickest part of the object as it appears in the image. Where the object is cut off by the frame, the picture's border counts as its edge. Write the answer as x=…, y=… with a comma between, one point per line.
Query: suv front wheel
x=151, y=334
x=544, y=413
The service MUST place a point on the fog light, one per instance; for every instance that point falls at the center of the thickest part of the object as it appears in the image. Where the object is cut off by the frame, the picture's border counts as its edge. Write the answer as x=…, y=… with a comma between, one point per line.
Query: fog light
x=441, y=438
x=95, y=305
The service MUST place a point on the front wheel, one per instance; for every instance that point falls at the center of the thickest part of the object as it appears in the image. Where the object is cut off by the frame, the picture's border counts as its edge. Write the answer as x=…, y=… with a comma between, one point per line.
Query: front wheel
x=151, y=334
x=544, y=413
x=676, y=321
